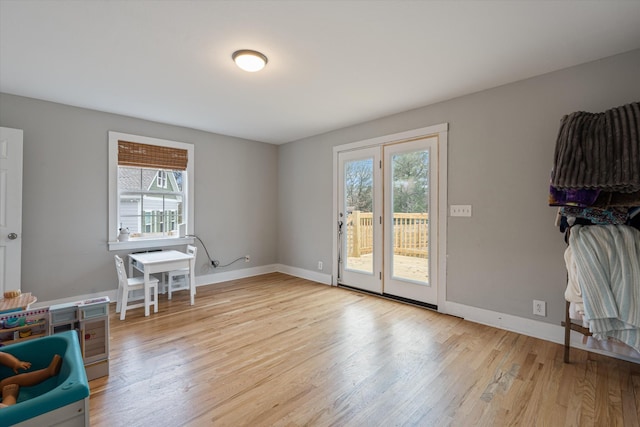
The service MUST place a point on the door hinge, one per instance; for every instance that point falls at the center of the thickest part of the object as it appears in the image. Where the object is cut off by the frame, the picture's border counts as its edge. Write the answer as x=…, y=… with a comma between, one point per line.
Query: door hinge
x=380, y=164
x=381, y=275
x=380, y=219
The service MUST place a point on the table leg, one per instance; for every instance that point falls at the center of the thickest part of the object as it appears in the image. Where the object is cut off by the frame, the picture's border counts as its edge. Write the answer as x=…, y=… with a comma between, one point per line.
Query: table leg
x=192, y=280
x=147, y=291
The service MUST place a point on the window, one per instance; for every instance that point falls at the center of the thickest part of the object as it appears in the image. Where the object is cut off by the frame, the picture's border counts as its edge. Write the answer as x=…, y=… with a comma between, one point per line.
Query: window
x=161, y=179
x=149, y=198
x=150, y=191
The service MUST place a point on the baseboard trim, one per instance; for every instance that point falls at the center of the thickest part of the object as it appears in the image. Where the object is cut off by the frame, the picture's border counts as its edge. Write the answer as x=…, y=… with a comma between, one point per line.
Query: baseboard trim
x=225, y=276
x=521, y=325
x=256, y=271
x=204, y=280
x=208, y=279
x=529, y=327
x=305, y=274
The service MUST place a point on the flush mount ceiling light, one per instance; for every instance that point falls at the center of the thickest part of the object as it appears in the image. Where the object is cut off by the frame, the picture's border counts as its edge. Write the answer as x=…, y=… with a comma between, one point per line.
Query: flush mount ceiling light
x=249, y=60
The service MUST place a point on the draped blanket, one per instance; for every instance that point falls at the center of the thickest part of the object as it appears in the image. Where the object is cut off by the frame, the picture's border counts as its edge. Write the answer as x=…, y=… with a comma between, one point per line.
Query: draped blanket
x=607, y=261
x=573, y=293
x=599, y=150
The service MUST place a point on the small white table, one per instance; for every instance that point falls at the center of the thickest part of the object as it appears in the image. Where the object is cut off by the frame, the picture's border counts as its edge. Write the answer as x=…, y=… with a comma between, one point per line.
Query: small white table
x=161, y=261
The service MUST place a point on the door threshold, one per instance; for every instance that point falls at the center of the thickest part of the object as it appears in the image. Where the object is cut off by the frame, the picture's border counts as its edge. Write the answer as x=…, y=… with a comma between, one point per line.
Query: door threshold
x=392, y=297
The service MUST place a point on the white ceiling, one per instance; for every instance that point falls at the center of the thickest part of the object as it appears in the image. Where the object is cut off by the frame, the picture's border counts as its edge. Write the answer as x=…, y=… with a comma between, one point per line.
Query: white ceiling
x=331, y=63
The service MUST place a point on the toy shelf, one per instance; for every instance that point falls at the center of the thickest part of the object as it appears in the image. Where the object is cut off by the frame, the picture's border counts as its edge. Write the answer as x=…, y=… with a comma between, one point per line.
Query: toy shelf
x=32, y=324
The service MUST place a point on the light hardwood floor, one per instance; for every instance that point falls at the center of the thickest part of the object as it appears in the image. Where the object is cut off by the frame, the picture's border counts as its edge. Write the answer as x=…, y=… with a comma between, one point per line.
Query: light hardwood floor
x=275, y=350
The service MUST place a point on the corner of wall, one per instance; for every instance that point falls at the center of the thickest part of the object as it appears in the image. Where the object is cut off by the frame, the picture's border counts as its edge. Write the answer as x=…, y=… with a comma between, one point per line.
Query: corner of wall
x=325, y=279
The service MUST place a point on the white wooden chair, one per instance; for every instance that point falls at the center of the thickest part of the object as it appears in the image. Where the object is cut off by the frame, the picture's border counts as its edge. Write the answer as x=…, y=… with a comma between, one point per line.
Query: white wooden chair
x=169, y=278
x=128, y=284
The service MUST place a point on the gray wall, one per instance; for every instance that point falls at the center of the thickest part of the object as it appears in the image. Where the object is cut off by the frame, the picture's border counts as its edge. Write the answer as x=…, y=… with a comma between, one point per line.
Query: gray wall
x=501, y=144
x=65, y=205
x=274, y=203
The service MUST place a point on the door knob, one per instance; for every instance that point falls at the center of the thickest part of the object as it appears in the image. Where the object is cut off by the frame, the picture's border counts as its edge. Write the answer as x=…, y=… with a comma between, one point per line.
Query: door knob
x=12, y=236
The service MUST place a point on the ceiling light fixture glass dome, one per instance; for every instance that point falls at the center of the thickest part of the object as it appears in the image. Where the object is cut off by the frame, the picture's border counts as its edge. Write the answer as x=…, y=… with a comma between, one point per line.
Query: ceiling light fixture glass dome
x=249, y=60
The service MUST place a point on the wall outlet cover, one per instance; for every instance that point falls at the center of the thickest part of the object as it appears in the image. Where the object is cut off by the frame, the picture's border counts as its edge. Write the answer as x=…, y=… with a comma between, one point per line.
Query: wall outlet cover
x=539, y=308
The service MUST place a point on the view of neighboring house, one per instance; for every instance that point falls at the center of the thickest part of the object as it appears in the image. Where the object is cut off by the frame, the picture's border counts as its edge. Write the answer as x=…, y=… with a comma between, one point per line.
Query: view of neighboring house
x=150, y=201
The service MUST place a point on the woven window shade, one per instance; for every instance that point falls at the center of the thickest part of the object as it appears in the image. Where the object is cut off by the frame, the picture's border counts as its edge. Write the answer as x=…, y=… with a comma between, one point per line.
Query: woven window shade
x=151, y=156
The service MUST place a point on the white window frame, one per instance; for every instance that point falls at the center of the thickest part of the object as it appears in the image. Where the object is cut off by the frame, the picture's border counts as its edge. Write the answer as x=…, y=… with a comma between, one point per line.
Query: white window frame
x=114, y=200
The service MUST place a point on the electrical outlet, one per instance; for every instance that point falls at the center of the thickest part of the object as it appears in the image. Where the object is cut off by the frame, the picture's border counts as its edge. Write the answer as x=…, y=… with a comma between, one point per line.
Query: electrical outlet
x=319, y=265
x=460, y=210
x=539, y=308
x=247, y=258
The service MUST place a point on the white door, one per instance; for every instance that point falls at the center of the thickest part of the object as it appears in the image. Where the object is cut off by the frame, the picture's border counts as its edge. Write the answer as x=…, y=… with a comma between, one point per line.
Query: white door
x=359, y=219
x=388, y=219
x=411, y=219
x=10, y=208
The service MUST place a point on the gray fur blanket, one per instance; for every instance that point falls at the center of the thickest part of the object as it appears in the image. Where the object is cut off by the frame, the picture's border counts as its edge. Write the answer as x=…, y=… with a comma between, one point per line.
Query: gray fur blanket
x=599, y=150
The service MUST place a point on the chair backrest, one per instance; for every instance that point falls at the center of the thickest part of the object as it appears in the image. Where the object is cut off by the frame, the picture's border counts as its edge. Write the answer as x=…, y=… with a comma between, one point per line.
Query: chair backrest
x=192, y=250
x=122, y=274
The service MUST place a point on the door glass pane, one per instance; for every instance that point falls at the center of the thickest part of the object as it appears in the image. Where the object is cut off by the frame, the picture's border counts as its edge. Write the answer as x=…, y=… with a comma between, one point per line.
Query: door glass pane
x=410, y=199
x=358, y=191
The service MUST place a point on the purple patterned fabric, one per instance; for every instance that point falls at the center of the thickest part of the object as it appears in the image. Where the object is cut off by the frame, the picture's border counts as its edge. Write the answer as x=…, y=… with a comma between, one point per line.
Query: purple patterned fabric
x=582, y=197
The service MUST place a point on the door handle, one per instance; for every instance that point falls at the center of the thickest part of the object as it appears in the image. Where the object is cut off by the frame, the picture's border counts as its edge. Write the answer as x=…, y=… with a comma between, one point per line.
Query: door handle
x=12, y=236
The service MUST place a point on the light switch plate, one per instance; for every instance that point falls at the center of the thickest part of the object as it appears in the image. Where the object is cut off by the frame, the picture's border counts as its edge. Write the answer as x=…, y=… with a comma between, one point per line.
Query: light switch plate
x=460, y=210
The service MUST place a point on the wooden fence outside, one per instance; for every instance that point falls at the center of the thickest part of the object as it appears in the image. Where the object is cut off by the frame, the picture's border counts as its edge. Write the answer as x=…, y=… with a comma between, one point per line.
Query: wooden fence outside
x=410, y=234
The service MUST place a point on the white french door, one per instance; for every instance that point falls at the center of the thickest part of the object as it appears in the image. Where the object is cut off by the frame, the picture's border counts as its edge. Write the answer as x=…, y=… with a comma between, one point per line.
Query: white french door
x=410, y=220
x=360, y=210
x=388, y=219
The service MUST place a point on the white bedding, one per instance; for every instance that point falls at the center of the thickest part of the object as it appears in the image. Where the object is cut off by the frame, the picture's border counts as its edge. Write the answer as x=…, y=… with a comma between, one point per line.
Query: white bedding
x=573, y=294
x=611, y=345
x=603, y=265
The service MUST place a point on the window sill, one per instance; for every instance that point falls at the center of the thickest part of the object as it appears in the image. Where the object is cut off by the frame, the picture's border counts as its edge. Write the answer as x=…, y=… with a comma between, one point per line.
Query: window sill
x=149, y=243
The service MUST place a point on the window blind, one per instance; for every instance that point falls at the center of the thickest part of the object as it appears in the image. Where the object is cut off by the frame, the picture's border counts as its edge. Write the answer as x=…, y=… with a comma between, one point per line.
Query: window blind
x=151, y=156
